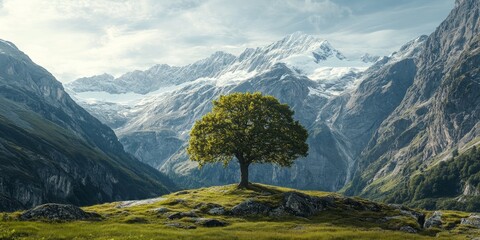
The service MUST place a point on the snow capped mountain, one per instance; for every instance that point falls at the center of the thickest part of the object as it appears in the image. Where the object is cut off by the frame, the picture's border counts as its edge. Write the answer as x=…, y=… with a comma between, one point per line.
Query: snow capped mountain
x=152, y=79
x=367, y=58
x=308, y=55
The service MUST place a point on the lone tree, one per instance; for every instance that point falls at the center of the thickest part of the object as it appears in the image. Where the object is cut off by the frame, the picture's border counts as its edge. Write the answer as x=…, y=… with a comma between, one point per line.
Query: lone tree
x=250, y=127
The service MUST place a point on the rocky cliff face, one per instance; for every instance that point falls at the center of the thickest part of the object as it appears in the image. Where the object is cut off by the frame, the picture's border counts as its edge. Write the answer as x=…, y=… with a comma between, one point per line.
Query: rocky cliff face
x=438, y=112
x=52, y=150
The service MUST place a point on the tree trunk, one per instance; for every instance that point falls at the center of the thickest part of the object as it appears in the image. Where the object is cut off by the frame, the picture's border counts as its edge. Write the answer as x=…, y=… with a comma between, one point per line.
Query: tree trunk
x=244, y=175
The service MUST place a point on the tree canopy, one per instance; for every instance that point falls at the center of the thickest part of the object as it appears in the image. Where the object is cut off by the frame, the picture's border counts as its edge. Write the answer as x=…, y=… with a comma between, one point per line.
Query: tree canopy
x=251, y=127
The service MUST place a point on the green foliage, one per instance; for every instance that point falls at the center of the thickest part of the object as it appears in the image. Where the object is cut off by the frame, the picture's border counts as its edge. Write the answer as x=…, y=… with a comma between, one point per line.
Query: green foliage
x=437, y=187
x=6, y=234
x=251, y=127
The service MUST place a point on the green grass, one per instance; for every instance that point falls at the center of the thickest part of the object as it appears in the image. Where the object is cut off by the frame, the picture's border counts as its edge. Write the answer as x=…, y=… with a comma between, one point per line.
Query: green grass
x=141, y=222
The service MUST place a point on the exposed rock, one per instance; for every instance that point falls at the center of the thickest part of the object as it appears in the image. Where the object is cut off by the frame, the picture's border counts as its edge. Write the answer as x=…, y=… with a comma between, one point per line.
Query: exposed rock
x=136, y=220
x=408, y=229
x=210, y=222
x=161, y=210
x=251, y=207
x=58, y=212
x=439, y=112
x=179, y=215
x=473, y=219
x=176, y=215
x=470, y=190
x=434, y=221
x=178, y=225
x=302, y=205
x=292, y=204
x=216, y=211
x=205, y=207
x=418, y=216
x=211, y=208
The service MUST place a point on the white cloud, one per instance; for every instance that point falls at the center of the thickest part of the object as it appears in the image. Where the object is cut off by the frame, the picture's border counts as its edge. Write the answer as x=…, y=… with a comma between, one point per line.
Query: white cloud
x=84, y=37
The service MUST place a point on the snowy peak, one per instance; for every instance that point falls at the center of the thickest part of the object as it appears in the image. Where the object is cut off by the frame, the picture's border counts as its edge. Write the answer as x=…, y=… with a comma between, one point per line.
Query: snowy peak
x=154, y=78
x=306, y=54
x=299, y=43
x=301, y=52
x=410, y=49
x=367, y=58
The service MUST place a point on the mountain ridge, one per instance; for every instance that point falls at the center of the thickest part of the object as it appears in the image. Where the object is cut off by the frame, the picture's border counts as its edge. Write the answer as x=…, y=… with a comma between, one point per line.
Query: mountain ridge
x=53, y=150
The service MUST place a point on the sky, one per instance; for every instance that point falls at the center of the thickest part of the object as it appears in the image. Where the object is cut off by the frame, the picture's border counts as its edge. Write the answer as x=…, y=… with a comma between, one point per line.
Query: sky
x=78, y=38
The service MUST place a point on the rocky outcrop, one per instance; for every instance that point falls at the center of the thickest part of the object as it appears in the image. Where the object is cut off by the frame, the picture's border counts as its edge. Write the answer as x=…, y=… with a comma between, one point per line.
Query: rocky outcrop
x=301, y=205
x=210, y=222
x=251, y=207
x=473, y=220
x=58, y=212
x=179, y=215
x=418, y=216
x=434, y=221
x=408, y=229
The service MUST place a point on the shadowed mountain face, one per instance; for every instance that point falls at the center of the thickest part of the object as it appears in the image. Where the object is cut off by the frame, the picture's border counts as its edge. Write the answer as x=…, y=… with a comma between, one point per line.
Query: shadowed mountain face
x=52, y=150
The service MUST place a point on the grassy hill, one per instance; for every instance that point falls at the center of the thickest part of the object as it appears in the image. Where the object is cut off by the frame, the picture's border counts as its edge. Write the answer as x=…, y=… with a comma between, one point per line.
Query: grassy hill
x=179, y=216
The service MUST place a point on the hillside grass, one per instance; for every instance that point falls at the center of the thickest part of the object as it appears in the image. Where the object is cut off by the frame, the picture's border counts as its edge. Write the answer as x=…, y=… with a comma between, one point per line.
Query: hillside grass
x=142, y=222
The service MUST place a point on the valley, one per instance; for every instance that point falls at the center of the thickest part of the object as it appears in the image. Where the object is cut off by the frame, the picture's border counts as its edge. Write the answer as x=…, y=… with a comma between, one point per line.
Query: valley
x=392, y=147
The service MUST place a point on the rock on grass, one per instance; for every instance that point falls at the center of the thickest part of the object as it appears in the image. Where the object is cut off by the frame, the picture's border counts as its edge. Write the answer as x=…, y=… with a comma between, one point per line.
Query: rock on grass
x=58, y=212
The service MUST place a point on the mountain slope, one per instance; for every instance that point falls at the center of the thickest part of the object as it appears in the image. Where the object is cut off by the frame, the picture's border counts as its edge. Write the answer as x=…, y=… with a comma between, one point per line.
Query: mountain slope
x=439, y=112
x=52, y=150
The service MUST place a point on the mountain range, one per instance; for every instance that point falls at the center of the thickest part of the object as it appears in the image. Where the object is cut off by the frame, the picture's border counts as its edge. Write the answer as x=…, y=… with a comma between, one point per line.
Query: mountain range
x=301, y=70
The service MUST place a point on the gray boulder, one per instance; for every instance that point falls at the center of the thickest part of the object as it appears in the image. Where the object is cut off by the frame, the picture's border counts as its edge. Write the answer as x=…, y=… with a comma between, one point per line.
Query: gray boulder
x=473, y=220
x=160, y=210
x=302, y=205
x=210, y=222
x=251, y=207
x=58, y=212
x=408, y=229
x=434, y=221
x=216, y=211
x=418, y=216
x=179, y=215
x=178, y=225
x=292, y=204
